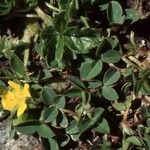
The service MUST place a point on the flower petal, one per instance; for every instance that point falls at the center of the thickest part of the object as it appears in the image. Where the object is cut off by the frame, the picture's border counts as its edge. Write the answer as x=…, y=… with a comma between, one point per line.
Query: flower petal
x=21, y=109
x=8, y=101
x=14, y=85
x=26, y=92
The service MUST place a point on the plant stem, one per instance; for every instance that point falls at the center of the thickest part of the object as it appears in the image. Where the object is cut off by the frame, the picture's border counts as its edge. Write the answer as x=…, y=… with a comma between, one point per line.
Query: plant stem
x=26, y=57
x=136, y=61
x=25, y=15
x=72, y=113
x=129, y=62
x=52, y=7
x=84, y=21
x=46, y=18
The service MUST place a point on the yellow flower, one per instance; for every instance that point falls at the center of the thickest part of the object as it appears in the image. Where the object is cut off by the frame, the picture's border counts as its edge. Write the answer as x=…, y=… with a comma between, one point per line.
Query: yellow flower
x=15, y=97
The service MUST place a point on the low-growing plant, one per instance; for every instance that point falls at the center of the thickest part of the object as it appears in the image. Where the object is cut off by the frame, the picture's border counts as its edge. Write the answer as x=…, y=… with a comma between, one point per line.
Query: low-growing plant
x=69, y=80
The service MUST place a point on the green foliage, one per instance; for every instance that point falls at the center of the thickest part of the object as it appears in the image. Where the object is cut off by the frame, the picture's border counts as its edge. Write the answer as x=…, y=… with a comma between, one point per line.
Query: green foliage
x=111, y=76
x=132, y=15
x=115, y=13
x=48, y=95
x=111, y=56
x=7, y=46
x=134, y=140
x=17, y=65
x=109, y=93
x=90, y=69
x=103, y=127
x=5, y=7
x=87, y=87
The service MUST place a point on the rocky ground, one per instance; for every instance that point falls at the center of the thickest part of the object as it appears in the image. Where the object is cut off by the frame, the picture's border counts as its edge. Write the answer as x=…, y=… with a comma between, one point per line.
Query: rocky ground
x=22, y=143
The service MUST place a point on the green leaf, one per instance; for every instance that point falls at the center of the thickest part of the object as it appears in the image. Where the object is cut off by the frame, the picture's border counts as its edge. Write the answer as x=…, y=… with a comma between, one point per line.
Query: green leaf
x=77, y=82
x=104, y=46
x=59, y=21
x=115, y=13
x=145, y=111
x=61, y=120
x=119, y=106
x=5, y=7
x=49, y=143
x=81, y=44
x=70, y=31
x=103, y=5
x=84, y=125
x=31, y=3
x=134, y=140
x=114, y=41
x=29, y=127
x=2, y=85
x=53, y=144
x=75, y=137
x=111, y=76
x=125, y=145
x=88, y=122
x=148, y=122
x=64, y=122
x=108, y=43
x=64, y=4
x=59, y=48
x=72, y=11
x=103, y=127
x=72, y=128
x=132, y=15
x=127, y=130
x=94, y=84
x=105, y=145
x=147, y=141
x=8, y=45
x=48, y=95
x=109, y=93
x=45, y=131
x=45, y=74
x=145, y=87
x=35, y=126
x=47, y=41
x=59, y=102
x=73, y=92
x=49, y=114
x=70, y=7
x=128, y=101
x=65, y=140
x=111, y=56
x=126, y=87
x=36, y=89
x=96, y=114
x=40, y=48
x=90, y=69
x=79, y=109
x=46, y=46
x=19, y=120
x=82, y=40
x=17, y=65
x=86, y=97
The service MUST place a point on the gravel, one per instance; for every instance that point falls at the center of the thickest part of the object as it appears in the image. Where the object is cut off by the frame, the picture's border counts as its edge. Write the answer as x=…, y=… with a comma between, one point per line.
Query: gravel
x=24, y=142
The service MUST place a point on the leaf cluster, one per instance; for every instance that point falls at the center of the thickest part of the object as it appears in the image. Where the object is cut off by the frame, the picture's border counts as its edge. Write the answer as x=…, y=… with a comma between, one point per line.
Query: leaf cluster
x=84, y=81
